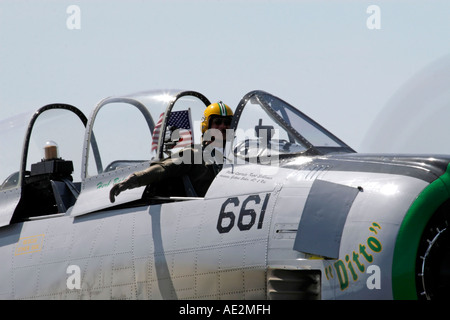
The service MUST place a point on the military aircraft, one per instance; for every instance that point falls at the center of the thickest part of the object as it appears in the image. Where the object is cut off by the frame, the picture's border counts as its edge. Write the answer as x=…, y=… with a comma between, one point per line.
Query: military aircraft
x=295, y=213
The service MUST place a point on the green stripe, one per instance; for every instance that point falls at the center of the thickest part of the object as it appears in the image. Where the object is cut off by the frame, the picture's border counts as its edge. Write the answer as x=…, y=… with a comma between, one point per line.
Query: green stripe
x=410, y=232
x=223, y=109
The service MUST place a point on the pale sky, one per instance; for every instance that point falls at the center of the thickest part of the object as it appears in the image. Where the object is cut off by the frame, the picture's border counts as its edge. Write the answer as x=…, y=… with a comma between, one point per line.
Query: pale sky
x=320, y=56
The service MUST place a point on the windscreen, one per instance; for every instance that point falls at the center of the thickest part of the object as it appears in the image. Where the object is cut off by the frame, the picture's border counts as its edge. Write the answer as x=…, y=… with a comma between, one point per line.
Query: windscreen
x=268, y=127
x=261, y=135
x=311, y=131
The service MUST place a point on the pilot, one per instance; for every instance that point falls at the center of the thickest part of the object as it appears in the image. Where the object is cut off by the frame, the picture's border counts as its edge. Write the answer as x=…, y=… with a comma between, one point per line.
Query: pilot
x=216, y=116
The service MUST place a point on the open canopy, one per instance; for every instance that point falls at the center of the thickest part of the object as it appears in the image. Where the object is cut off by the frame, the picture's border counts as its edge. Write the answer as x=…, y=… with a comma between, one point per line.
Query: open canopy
x=124, y=134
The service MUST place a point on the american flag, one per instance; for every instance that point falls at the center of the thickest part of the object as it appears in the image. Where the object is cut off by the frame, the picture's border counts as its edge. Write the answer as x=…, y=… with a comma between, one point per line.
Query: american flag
x=156, y=132
x=180, y=120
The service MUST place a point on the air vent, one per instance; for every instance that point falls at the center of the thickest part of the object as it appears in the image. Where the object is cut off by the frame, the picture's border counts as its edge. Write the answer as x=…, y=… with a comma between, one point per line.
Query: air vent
x=284, y=284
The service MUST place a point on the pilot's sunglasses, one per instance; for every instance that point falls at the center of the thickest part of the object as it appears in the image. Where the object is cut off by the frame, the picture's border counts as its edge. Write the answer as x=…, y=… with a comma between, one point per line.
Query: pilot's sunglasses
x=219, y=121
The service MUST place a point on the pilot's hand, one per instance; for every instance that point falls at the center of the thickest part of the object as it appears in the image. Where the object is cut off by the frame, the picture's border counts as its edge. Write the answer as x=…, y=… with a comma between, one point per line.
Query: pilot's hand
x=129, y=183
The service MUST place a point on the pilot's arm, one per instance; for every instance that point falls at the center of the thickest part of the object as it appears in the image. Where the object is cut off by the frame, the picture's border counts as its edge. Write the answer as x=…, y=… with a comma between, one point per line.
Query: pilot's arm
x=135, y=180
x=155, y=173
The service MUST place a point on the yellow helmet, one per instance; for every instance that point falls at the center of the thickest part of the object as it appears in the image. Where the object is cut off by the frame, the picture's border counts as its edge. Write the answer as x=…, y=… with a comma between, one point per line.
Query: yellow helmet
x=215, y=109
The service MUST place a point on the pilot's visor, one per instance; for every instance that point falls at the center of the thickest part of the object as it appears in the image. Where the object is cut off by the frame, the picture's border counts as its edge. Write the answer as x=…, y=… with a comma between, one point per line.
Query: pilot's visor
x=221, y=120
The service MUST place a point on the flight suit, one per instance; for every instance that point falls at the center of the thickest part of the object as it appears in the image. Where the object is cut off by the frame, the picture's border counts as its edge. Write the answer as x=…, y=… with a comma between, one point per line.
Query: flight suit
x=164, y=178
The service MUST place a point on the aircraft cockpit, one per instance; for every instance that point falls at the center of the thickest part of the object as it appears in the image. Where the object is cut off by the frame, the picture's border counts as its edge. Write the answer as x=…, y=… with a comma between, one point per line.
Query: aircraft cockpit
x=268, y=129
x=125, y=134
x=122, y=135
x=43, y=177
x=130, y=132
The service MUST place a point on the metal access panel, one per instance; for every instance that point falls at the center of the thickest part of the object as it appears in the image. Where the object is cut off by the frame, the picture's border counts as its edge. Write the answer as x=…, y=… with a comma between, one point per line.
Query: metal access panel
x=323, y=218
